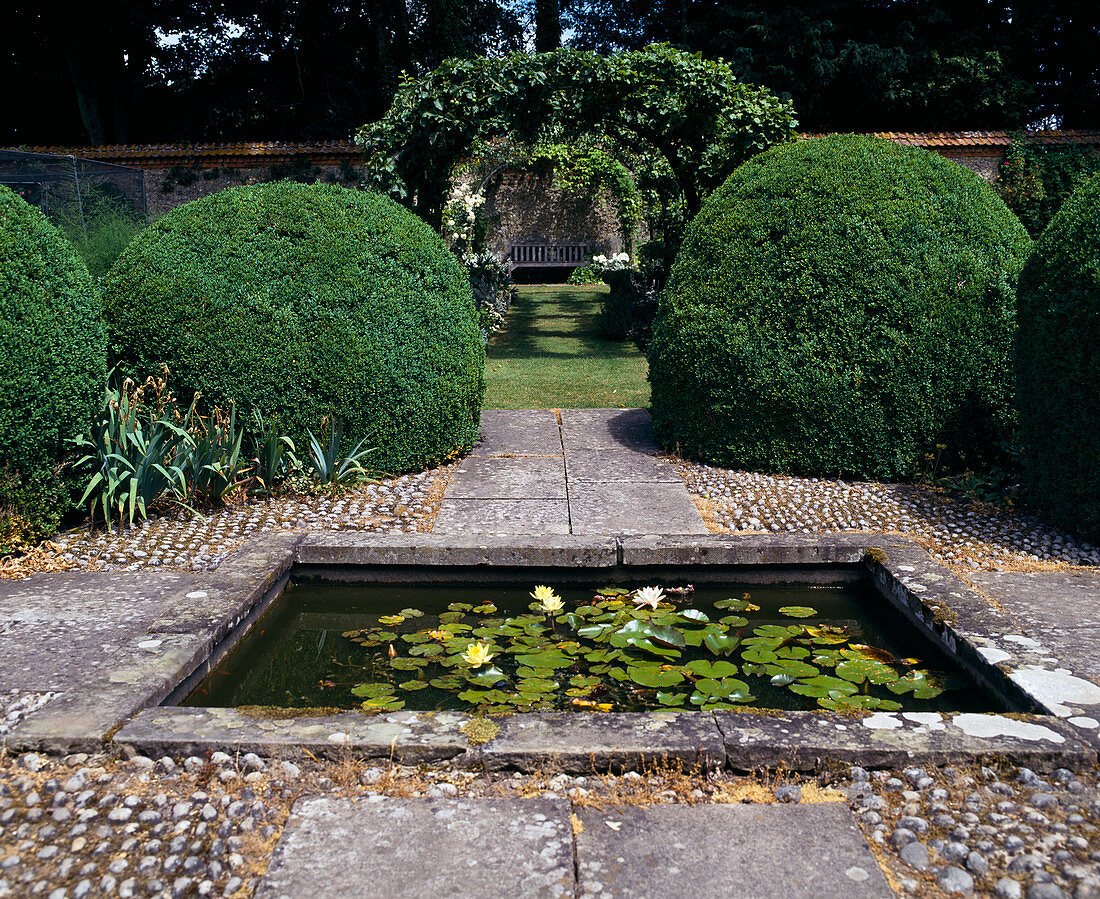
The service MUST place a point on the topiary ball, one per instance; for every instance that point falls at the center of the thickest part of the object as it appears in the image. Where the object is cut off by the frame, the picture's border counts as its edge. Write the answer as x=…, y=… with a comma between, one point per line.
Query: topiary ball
x=54, y=365
x=1058, y=364
x=840, y=306
x=306, y=301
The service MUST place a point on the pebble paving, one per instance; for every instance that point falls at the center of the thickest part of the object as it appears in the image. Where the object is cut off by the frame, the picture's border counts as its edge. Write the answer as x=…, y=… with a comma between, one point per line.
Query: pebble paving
x=100, y=826
x=962, y=535
x=187, y=542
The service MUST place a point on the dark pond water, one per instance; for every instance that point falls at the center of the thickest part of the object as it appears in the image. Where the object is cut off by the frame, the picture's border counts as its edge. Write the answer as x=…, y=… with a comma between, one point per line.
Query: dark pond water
x=714, y=647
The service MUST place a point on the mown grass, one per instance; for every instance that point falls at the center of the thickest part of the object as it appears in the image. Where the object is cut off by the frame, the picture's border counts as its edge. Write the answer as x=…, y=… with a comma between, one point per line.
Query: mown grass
x=550, y=355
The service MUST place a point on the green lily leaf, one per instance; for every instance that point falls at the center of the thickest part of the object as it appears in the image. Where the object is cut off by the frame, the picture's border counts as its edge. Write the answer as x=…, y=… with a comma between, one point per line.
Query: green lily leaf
x=794, y=668
x=372, y=690
x=391, y=619
x=426, y=649
x=705, y=668
x=824, y=685
x=383, y=704
x=859, y=670
x=487, y=678
x=671, y=699
x=655, y=677
x=721, y=644
x=737, y=605
x=734, y=621
x=412, y=613
x=694, y=615
x=759, y=654
x=447, y=682
x=459, y=607
x=414, y=685
x=798, y=611
x=407, y=663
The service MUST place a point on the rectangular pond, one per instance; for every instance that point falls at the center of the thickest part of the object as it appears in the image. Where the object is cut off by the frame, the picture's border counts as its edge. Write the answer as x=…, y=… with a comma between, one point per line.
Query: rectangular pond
x=508, y=648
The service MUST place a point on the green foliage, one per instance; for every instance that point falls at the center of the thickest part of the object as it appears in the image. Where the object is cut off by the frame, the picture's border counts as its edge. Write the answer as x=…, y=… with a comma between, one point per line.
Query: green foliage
x=53, y=348
x=685, y=114
x=584, y=274
x=1035, y=180
x=100, y=226
x=330, y=466
x=1058, y=364
x=304, y=302
x=840, y=305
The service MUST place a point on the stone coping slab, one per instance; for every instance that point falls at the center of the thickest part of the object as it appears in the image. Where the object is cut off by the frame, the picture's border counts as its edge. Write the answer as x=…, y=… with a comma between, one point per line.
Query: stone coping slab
x=586, y=743
x=726, y=852
x=416, y=848
x=409, y=738
x=808, y=741
x=479, y=550
x=597, y=741
x=615, y=466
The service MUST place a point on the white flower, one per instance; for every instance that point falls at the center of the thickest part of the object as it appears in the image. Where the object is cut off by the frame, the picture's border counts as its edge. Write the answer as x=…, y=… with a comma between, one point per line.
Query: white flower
x=648, y=596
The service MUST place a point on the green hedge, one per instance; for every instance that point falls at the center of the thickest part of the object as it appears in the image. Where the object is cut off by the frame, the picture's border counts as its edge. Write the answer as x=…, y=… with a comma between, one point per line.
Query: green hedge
x=840, y=306
x=54, y=364
x=304, y=301
x=1058, y=364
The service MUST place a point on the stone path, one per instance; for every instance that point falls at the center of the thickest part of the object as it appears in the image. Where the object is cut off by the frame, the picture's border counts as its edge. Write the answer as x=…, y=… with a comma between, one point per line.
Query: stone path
x=587, y=472
x=541, y=847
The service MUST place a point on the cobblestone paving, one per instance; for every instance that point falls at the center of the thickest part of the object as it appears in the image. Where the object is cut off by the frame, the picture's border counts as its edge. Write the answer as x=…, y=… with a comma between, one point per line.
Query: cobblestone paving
x=961, y=535
x=94, y=826
x=199, y=543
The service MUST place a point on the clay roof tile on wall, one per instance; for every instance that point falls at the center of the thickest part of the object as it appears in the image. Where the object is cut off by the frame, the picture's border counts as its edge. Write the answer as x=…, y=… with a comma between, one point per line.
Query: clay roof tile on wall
x=256, y=154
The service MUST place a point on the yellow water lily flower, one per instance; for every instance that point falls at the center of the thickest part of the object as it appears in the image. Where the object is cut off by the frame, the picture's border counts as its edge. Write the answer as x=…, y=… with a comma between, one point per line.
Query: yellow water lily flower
x=648, y=596
x=477, y=654
x=548, y=600
x=440, y=635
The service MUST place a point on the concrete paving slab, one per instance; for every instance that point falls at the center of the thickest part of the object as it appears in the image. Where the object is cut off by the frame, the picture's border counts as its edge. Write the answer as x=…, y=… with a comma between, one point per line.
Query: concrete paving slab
x=58, y=630
x=726, y=851
x=529, y=432
x=621, y=466
x=586, y=742
x=523, y=477
x=611, y=508
x=502, y=517
x=1044, y=599
x=596, y=429
x=420, y=848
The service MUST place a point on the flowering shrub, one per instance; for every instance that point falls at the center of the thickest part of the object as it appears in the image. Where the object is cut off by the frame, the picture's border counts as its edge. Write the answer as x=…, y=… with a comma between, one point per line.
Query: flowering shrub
x=463, y=228
x=602, y=265
x=493, y=289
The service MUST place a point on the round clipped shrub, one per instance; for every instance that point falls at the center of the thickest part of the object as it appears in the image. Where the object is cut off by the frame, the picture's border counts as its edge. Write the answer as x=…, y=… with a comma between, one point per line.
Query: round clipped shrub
x=53, y=364
x=1058, y=364
x=840, y=306
x=303, y=302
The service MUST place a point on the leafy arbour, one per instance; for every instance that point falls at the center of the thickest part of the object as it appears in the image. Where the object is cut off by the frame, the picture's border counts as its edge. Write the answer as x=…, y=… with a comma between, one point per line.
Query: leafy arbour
x=685, y=119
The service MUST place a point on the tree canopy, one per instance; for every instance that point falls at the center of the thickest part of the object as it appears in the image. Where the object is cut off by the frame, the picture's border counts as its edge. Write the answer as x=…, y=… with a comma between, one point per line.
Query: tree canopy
x=153, y=70
x=676, y=114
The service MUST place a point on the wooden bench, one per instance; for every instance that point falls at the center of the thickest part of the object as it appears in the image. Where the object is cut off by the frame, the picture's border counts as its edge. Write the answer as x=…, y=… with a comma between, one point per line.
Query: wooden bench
x=546, y=254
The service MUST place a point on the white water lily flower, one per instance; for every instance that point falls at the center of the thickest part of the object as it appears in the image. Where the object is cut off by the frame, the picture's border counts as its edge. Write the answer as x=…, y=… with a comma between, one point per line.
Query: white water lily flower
x=477, y=654
x=648, y=596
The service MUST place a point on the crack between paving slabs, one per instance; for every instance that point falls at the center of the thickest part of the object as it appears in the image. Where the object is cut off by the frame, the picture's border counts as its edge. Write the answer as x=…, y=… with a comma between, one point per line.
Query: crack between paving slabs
x=565, y=468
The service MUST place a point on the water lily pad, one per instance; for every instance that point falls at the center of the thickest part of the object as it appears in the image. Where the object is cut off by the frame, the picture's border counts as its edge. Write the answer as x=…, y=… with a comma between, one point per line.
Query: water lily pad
x=920, y=684
x=371, y=691
x=417, y=637
x=863, y=651
x=727, y=688
x=489, y=677
x=721, y=644
x=859, y=670
x=384, y=704
x=778, y=631
x=486, y=608
x=426, y=649
x=674, y=700
x=612, y=591
x=782, y=680
x=584, y=680
x=545, y=659
x=792, y=652
x=759, y=654
x=794, y=668
x=451, y=616
x=407, y=663
x=706, y=668
x=447, y=682
x=655, y=677
x=414, y=685
x=459, y=607
x=798, y=611
x=391, y=619
x=694, y=615
x=734, y=620
x=824, y=685
x=412, y=613
x=737, y=605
